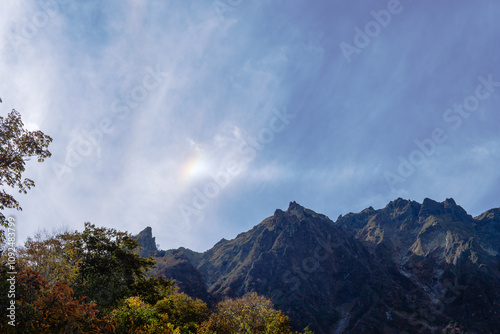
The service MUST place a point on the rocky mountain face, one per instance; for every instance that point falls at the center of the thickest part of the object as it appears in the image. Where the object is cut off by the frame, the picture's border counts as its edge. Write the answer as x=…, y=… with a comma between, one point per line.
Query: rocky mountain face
x=147, y=241
x=453, y=257
x=406, y=268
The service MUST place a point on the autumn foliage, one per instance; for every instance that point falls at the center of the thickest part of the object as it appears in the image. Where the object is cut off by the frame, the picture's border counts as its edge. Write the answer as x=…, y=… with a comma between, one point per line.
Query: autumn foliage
x=46, y=308
x=250, y=314
x=95, y=282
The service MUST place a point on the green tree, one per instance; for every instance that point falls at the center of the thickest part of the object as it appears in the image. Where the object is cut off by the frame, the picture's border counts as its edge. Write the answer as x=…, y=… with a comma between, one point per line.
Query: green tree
x=109, y=266
x=99, y=263
x=49, y=255
x=183, y=311
x=153, y=289
x=177, y=314
x=248, y=315
x=135, y=315
x=17, y=145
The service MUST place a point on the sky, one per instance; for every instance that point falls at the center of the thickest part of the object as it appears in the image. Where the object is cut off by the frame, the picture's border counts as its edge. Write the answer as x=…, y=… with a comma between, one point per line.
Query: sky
x=201, y=118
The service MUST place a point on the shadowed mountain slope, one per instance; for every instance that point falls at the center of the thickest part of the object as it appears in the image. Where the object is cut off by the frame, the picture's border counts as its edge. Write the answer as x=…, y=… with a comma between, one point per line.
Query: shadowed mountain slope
x=407, y=267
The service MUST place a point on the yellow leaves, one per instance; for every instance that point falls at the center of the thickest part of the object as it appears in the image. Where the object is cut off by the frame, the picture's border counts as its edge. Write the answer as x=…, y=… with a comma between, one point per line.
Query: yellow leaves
x=204, y=327
x=250, y=314
x=175, y=314
x=96, y=261
x=135, y=302
x=54, y=309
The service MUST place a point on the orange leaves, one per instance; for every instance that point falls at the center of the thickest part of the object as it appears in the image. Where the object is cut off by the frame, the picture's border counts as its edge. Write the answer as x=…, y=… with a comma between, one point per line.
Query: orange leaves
x=46, y=308
x=72, y=270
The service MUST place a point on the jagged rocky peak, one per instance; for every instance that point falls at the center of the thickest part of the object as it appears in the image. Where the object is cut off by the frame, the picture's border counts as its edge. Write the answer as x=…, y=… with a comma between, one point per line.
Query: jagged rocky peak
x=369, y=210
x=430, y=204
x=401, y=204
x=449, y=206
x=400, y=208
x=293, y=206
x=398, y=203
x=449, y=202
x=279, y=213
x=147, y=242
x=293, y=209
x=430, y=207
x=301, y=212
x=371, y=269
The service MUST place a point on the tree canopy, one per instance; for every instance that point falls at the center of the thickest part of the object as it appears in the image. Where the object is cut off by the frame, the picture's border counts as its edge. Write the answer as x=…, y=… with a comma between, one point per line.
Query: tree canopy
x=94, y=281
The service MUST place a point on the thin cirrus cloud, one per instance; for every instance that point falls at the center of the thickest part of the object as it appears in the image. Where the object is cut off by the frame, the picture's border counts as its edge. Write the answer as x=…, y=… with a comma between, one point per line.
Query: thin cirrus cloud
x=185, y=109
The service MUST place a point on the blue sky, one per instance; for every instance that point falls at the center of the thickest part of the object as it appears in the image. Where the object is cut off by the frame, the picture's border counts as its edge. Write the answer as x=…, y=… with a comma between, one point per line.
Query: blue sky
x=200, y=118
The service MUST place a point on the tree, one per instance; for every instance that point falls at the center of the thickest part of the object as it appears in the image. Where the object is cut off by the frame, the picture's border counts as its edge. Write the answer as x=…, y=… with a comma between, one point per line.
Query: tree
x=250, y=314
x=177, y=313
x=99, y=263
x=109, y=266
x=52, y=308
x=137, y=316
x=17, y=145
x=50, y=255
x=93, y=271
x=183, y=311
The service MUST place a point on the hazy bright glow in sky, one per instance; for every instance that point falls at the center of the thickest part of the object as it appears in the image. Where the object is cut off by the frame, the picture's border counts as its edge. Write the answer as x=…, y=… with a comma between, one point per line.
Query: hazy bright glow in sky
x=200, y=118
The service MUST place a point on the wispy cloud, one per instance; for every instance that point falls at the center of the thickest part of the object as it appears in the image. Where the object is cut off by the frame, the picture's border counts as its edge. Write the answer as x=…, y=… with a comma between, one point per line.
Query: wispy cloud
x=84, y=76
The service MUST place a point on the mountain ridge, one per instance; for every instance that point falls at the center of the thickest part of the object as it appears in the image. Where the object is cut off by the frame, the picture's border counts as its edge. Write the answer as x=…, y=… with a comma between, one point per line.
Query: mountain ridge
x=372, y=269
